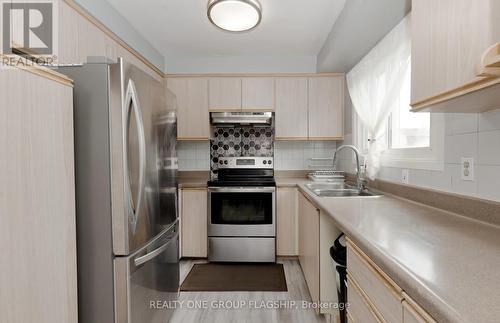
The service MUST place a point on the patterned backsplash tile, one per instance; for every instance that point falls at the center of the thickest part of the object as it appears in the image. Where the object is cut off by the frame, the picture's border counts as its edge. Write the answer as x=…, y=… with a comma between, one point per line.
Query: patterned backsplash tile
x=244, y=141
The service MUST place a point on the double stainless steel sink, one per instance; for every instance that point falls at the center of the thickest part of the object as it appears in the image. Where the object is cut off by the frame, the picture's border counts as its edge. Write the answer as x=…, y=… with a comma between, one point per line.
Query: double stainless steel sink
x=340, y=189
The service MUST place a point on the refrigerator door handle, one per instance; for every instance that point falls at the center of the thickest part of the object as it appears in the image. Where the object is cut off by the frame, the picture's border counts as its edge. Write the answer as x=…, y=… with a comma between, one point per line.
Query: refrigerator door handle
x=151, y=255
x=131, y=100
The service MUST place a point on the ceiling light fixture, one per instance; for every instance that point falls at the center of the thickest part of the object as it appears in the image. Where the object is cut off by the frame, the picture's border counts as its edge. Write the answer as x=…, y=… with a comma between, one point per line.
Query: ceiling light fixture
x=234, y=15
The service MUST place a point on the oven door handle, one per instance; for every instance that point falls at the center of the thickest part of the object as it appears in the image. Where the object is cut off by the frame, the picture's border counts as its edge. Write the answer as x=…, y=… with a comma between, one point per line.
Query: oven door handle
x=242, y=189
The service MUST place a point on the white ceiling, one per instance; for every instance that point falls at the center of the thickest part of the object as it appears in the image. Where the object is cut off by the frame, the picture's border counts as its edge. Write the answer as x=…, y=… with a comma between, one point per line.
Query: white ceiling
x=180, y=28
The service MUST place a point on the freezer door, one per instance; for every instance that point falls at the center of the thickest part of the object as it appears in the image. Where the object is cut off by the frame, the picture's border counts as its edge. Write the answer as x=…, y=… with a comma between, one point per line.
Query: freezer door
x=138, y=109
x=146, y=278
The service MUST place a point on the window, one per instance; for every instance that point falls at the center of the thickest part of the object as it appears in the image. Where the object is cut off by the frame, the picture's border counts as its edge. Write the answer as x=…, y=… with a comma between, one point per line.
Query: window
x=407, y=129
x=412, y=140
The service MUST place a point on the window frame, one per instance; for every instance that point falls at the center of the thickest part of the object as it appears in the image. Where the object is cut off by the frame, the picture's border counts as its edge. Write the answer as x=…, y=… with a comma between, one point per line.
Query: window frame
x=425, y=158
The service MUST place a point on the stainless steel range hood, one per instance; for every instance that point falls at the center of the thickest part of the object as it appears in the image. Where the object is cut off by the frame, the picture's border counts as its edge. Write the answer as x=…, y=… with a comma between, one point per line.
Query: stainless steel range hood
x=243, y=118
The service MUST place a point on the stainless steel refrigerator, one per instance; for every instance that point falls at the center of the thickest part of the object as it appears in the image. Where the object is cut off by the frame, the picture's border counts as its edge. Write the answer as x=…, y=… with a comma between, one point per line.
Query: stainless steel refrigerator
x=126, y=193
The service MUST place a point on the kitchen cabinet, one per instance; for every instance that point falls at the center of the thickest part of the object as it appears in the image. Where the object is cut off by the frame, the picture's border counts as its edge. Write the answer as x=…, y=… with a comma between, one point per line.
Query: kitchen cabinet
x=309, y=245
x=257, y=93
x=68, y=46
x=360, y=308
x=91, y=40
x=374, y=296
x=317, y=232
x=326, y=108
x=287, y=221
x=224, y=93
x=449, y=37
x=379, y=289
x=413, y=313
x=37, y=198
x=192, y=107
x=291, y=108
x=193, y=216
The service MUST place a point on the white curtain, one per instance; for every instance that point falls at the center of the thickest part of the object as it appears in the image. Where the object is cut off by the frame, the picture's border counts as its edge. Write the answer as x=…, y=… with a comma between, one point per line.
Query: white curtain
x=374, y=85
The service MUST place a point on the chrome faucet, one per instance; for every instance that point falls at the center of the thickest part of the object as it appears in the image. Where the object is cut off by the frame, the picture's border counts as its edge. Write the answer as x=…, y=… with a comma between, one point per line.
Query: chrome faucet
x=360, y=182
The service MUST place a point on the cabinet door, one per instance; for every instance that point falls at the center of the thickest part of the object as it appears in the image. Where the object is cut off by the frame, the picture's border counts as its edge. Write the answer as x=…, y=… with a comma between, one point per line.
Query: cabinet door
x=37, y=221
x=258, y=93
x=224, y=93
x=448, y=40
x=91, y=40
x=192, y=107
x=194, y=223
x=287, y=226
x=291, y=108
x=68, y=35
x=326, y=108
x=413, y=313
x=309, y=245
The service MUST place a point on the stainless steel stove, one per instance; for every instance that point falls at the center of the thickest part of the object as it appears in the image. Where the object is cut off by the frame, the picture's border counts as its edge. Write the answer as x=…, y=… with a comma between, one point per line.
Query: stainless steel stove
x=242, y=211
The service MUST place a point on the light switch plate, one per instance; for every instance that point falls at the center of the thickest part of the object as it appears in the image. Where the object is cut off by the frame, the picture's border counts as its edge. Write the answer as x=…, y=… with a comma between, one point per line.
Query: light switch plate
x=405, y=174
x=467, y=169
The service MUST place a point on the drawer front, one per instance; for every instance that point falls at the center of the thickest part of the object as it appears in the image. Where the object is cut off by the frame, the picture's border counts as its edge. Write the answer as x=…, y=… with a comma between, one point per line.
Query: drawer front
x=382, y=294
x=412, y=313
x=359, y=309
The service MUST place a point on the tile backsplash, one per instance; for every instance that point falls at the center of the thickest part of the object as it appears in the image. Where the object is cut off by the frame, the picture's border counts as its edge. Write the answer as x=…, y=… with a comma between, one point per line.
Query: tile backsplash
x=295, y=155
x=193, y=155
x=244, y=141
x=288, y=155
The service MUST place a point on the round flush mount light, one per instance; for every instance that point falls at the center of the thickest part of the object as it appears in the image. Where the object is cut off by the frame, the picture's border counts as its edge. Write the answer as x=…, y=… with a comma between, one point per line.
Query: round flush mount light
x=234, y=15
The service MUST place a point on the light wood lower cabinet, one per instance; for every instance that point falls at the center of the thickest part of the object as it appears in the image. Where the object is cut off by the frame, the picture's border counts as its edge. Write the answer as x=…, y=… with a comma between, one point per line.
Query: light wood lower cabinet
x=193, y=216
x=38, y=279
x=383, y=293
x=287, y=222
x=359, y=309
x=317, y=233
x=309, y=245
x=386, y=301
x=413, y=313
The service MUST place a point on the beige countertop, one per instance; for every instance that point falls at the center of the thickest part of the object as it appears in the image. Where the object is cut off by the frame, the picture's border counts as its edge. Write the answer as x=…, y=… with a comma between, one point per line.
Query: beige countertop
x=448, y=263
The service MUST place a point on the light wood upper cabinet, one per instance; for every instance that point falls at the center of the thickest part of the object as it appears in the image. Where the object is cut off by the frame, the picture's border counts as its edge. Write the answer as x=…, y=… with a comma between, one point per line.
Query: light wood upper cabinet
x=68, y=35
x=91, y=40
x=192, y=107
x=37, y=208
x=194, y=223
x=287, y=222
x=224, y=93
x=326, y=108
x=291, y=108
x=449, y=38
x=309, y=245
x=257, y=93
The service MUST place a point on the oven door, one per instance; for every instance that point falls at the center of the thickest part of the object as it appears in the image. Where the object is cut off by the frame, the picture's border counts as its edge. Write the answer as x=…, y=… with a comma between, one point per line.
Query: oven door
x=241, y=212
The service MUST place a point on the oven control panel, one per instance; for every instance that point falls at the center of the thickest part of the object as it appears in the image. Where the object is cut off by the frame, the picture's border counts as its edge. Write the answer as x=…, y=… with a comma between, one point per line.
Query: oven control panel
x=246, y=162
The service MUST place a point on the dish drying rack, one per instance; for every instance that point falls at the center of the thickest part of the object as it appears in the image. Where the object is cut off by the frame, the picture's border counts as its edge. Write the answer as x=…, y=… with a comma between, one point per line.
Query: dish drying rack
x=324, y=172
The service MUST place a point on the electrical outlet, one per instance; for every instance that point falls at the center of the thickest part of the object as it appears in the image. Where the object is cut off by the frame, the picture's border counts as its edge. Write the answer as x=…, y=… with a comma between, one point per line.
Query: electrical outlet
x=405, y=174
x=467, y=169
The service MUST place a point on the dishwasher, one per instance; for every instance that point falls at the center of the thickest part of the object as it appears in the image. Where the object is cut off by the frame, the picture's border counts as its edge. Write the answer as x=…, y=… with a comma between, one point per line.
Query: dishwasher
x=338, y=252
